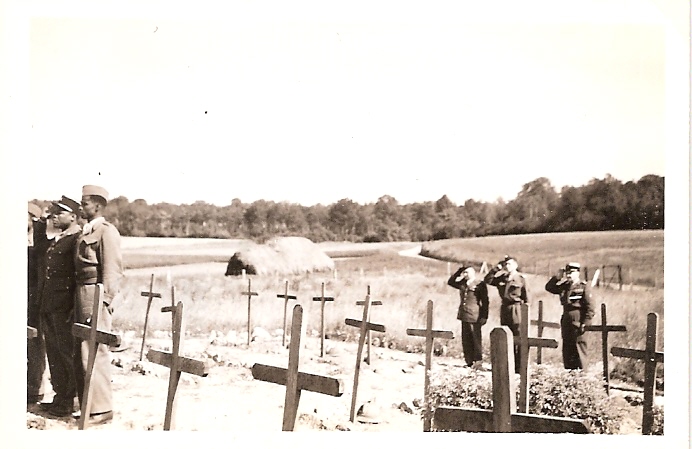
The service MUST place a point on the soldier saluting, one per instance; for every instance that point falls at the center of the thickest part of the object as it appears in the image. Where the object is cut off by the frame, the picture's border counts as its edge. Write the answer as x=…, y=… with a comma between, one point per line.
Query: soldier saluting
x=511, y=285
x=578, y=311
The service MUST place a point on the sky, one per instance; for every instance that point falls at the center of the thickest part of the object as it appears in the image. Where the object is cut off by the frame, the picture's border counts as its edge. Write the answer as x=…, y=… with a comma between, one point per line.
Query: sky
x=311, y=105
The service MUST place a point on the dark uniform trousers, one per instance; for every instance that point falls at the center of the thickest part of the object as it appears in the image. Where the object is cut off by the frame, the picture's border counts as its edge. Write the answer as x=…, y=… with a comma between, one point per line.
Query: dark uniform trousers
x=574, y=346
x=57, y=328
x=101, y=393
x=471, y=342
x=35, y=347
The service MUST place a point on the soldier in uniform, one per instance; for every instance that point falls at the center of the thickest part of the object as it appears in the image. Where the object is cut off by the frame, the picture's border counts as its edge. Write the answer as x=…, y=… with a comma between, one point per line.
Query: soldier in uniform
x=578, y=311
x=473, y=312
x=35, y=347
x=56, y=290
x=511, y=285
x=98, y=260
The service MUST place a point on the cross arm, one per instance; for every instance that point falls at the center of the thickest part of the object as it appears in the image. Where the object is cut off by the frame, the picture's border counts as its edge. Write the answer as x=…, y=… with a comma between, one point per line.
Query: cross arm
x=320, y=298
x=187, y=365
x=151, y=295
x=458, y=419
x=372, y=303
x=368, y=326
x=249, y=293
x=82, y=331
x=546, y=324
x=542, y=342
x=599, y=328
x=286, y=296
x=448, y=335
x=308, y=382
x=635, y=354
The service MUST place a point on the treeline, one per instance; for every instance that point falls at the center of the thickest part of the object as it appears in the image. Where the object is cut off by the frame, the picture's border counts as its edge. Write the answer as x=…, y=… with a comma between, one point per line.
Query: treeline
x=602, y=204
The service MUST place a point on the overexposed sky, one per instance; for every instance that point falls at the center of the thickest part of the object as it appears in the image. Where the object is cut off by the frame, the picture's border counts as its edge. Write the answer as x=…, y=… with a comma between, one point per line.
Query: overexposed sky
x=311, y=105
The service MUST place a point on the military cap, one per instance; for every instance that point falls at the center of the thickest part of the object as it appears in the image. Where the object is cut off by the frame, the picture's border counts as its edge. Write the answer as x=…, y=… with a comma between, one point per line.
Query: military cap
x=91, y=190
x=572, y=266
x=508, y=258
x=34, y=210
x=67, y=204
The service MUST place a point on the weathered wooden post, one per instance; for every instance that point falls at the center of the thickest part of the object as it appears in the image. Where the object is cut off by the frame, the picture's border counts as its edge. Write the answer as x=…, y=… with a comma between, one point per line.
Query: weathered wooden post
x=286, y=297
x=525, y=342
x=364, y=326
x=604, y=329
x=429, y=335
x=177, y=364
x=650, y=357
x=542, y=325
x=294, y=380
x=322, y=299
x=503, y=417
x=150, y=295
x=368, y=360
x=249, y=294
x=94, y=337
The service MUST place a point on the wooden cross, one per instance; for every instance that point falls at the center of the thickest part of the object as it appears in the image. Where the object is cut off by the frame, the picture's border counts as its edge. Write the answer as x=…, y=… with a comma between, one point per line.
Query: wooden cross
x=542, y=325
x=604, y=329
x=322, y=299
x=249, y=294
x=177, y=364
x=372, y=303
x=364, y=326
x=94, y=338
x=651, y=357
x=31, y=332
x=286, y=297
x=149, y=295
x=294, y=380
x=526, y=342
x=503, y=417
x=429, y=335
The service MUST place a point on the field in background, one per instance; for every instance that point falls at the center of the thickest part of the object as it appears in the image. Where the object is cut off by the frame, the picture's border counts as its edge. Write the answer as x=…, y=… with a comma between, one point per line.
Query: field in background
x=214, y=303
x=640, y=253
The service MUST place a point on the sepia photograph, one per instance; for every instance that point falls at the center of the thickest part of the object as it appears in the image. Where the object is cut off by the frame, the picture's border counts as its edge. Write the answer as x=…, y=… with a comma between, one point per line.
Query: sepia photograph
x=364, y=223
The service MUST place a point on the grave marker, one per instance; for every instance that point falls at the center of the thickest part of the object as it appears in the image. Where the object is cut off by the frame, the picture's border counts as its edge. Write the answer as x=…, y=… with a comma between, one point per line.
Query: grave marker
x=364, y=326
x=249, y=294
x=604, y=329
x=94, y=337
x=372, y=303
x=286, y=297
x=294, y=380
x=429, y=335
x=150, y=295
x=503, y=417
x=526, y=342
x=542, y=325
x=651, y=357
x=322, y=300
x=177, y=364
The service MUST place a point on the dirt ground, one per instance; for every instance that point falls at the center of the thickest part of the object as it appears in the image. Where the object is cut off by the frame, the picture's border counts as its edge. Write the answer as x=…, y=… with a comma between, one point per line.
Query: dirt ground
x=229, y=399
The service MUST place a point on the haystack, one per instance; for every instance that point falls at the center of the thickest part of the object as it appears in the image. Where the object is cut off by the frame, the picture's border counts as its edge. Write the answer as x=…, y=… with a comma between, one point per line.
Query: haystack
x=283, y=255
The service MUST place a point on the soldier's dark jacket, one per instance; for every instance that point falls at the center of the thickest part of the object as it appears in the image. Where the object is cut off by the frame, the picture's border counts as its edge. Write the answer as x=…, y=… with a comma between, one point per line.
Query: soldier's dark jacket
x=473, y=298
x=574, y=297
x=511, y=287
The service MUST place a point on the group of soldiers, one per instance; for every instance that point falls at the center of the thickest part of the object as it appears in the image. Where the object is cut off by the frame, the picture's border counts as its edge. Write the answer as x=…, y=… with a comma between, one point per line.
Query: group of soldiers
x=575, y=297
x=62, y=275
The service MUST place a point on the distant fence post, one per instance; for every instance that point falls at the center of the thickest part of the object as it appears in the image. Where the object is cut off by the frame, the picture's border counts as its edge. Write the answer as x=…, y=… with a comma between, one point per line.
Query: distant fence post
x=604, y=277
x=629, y=274
x=620, y=275
x=586, y=274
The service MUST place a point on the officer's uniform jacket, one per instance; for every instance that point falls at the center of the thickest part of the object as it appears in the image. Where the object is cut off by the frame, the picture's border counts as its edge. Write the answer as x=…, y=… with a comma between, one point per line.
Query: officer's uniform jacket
x=98, y=258
x=511, y=287
x=473, y=298
x=57, y=283
x=573, y=297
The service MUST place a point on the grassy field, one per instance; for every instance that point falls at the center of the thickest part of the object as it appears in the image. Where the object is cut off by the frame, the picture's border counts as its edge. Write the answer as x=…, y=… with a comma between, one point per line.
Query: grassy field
x=214, y=302
x=639, y=253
